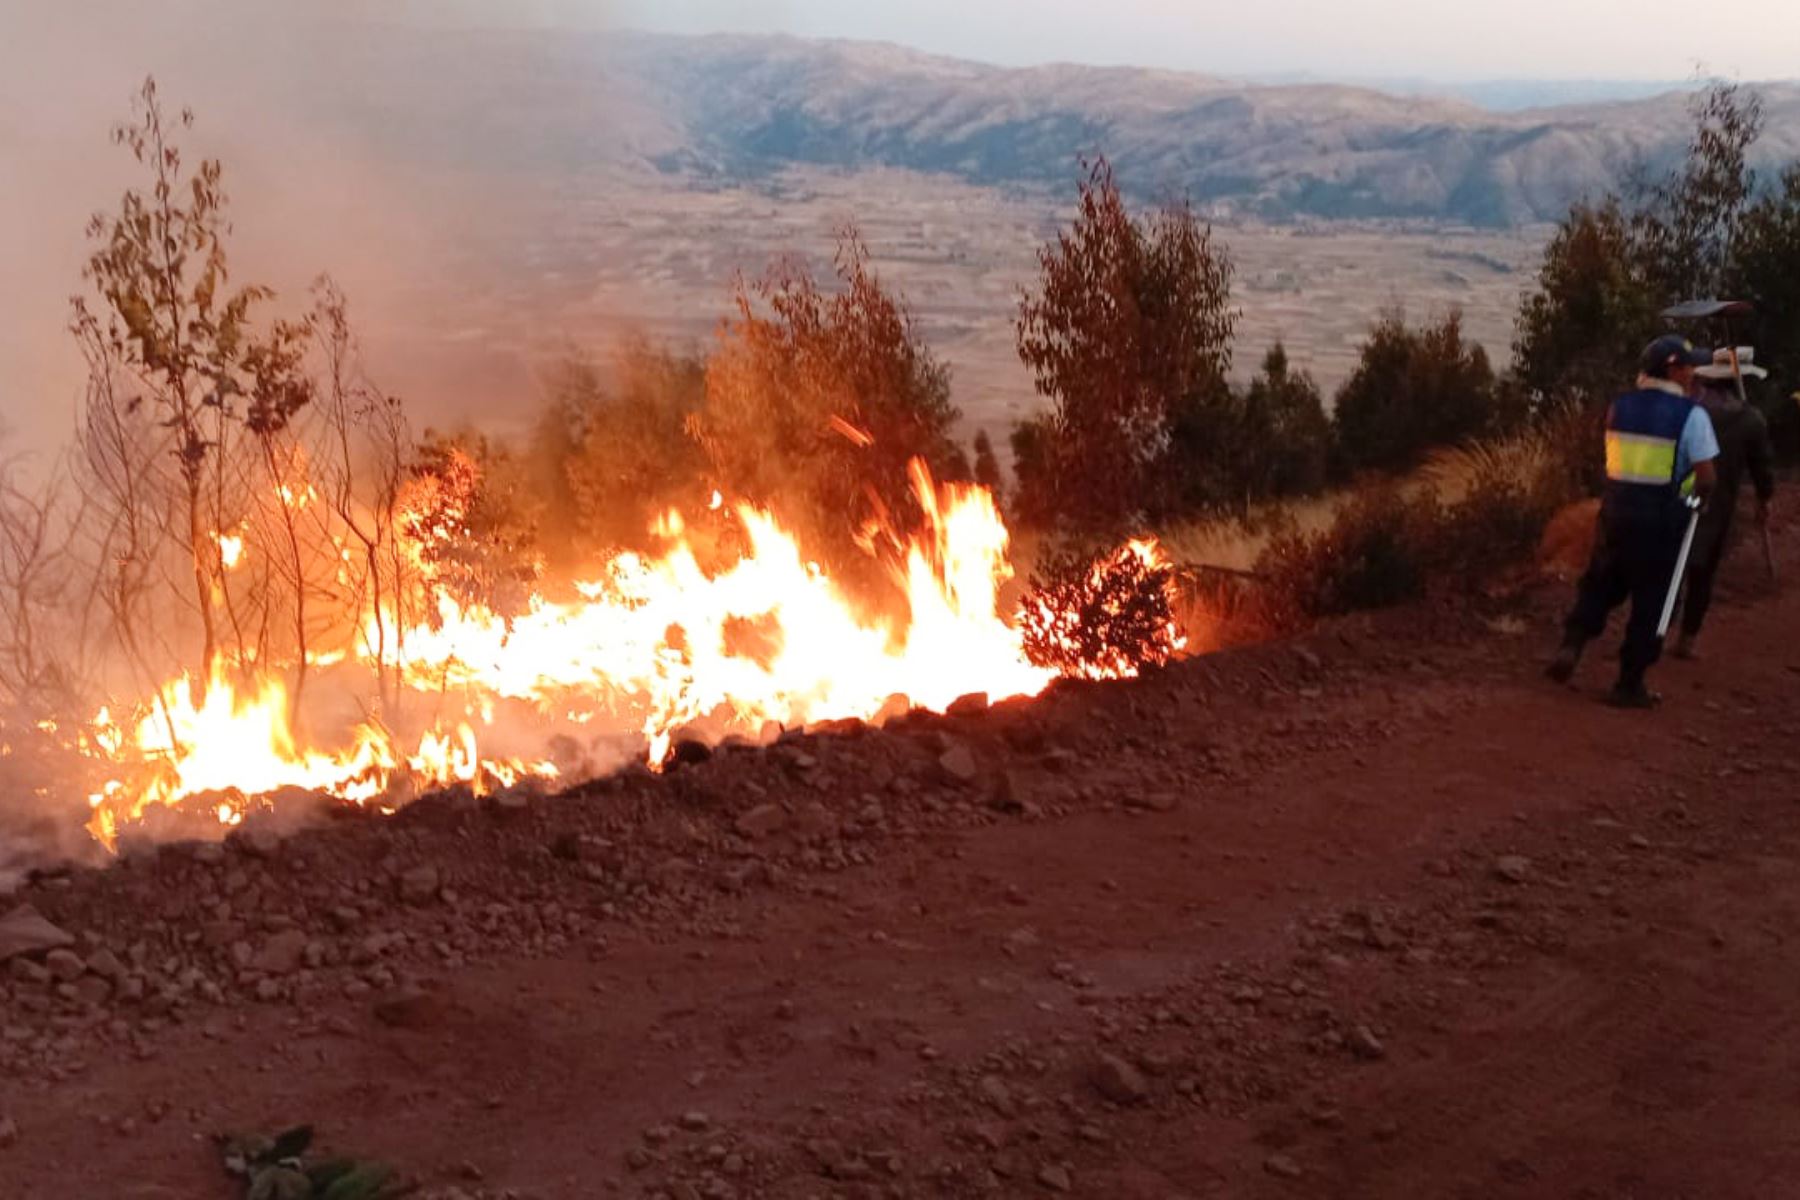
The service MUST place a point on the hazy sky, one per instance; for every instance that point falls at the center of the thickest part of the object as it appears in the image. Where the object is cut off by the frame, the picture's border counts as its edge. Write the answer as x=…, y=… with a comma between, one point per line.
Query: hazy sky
x=1582, y=39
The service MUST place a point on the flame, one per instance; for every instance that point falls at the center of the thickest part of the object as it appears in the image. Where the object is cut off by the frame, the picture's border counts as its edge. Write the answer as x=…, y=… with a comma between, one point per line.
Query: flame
x=231, y=549
x=653, y=645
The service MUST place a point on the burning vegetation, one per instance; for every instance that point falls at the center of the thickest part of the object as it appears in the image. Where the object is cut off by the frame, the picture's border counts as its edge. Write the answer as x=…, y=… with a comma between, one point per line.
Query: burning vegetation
x=287, y=599
x=253, y=586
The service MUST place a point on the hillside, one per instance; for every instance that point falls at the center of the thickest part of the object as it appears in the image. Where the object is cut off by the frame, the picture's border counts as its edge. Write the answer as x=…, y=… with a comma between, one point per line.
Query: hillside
x=730, y=108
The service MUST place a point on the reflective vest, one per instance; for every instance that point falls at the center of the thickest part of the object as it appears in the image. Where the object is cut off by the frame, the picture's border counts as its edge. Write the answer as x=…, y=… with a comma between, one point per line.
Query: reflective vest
x=1643, y=433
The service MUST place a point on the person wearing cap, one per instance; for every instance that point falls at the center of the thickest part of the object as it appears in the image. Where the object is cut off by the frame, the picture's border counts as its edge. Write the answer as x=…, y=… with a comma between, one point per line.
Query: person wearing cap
x=1660, y=448
x=1744, y=445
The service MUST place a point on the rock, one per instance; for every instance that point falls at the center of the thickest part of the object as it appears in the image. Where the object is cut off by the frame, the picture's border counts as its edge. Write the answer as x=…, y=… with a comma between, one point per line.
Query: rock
x=106, y=964
x=765, y=820
x=281, y=954
x=1364, y=1044
x=1512, y=868
x=1152, y=801
x=1282, y=1167
x=9, y=1133
x=66, y=965
x=25, y=931
x=26, y=971
x=696, y=1122
x=258, y=841
x=997, y=1095
x=1055, y=1179
x=1118, y=1080
x=92, y=990
x=893, y=708
x=1017, y=792
x=971, y=705
x=419, y=885
x=408, y=1008
x=689, y=752
x=957, y=765
x=816, y=821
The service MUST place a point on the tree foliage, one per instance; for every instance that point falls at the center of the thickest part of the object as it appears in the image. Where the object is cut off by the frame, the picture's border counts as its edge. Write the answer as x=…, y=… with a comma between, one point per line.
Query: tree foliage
x=1128, y=330
x=626, y=452
x=191, y=355
x=1099, y=615
x=472, y=519
x=1268, y=440
x=1615, y=263
x=1413, y=389
x=816, y=402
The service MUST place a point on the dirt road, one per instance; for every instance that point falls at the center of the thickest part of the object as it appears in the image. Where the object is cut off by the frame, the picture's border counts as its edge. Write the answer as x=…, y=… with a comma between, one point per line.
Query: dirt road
x=1381, y=914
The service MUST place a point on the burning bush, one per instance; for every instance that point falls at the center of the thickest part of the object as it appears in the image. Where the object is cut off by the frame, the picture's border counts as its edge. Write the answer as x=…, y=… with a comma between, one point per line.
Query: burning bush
x=1101, y=616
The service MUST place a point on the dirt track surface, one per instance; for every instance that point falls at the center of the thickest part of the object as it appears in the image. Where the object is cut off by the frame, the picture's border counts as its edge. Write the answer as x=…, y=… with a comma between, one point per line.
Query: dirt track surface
x=1379, y=914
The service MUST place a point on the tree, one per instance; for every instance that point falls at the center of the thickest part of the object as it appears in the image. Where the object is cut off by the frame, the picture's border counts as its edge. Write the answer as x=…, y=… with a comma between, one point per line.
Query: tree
x=189, y=349
x=987, y=466
x=1766, y=266
x=469, y=517
x=632, y=456
x=816, y=403
x=1284, y=436
x=1615, y=263
x=1577, y=336
x=1412, y=390
x=1130, y=322
x=1686, y=224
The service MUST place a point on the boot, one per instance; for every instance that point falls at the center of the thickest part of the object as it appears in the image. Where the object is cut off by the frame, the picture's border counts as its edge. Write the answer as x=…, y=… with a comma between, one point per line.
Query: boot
x=1684, y=648
x=1562, y=667
x=1631, y=693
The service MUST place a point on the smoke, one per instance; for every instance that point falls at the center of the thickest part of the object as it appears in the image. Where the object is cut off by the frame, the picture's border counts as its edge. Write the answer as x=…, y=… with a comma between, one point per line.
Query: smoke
x=348, y=147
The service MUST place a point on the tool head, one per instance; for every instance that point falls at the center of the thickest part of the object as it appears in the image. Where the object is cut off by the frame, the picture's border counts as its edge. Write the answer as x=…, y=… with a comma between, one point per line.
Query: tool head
x=1699, y=310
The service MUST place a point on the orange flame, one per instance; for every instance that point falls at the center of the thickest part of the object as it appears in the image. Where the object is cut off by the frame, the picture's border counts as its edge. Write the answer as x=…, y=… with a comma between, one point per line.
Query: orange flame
x=655, y=644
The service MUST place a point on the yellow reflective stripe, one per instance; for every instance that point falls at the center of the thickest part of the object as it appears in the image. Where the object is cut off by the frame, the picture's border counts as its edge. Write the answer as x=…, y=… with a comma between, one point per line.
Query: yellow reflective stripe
x=1634, y=458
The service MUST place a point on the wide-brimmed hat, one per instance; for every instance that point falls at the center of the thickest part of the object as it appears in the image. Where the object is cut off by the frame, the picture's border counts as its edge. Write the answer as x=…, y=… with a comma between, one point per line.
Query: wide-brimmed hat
x=1720, y=367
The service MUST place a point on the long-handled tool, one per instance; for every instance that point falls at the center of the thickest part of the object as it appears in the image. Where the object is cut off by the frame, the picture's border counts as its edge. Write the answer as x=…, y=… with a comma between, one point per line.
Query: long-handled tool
x=1681, y=562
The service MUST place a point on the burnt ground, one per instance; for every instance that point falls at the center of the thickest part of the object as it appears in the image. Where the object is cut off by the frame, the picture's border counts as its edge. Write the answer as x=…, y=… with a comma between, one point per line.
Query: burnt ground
x=1379, y=913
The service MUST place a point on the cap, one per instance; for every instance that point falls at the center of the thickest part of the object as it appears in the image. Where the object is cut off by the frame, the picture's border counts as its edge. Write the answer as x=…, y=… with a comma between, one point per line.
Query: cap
x=1672, y=350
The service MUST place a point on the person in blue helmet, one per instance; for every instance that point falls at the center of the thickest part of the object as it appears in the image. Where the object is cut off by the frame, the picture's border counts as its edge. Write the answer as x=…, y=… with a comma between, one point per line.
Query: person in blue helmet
x=1660, y=449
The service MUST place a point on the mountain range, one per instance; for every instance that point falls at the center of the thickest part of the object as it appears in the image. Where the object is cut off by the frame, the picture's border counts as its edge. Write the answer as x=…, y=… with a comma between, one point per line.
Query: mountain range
x=736, y=107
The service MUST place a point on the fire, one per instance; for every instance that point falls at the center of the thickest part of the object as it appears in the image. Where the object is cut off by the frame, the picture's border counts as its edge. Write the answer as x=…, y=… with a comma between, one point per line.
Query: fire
x=231, y=549
x=649, y=645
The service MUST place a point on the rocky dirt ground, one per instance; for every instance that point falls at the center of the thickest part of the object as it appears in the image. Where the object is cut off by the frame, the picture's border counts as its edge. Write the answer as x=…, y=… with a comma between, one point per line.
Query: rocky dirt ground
x=1375, y=914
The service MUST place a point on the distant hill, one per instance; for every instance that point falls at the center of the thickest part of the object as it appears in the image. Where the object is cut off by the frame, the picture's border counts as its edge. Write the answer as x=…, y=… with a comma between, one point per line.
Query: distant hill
x=1275, y=151
x=733, y=107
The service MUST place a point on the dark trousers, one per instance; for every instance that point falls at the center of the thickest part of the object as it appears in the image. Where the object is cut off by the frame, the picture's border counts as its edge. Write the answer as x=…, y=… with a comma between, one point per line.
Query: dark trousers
x=1710, y=541
x=1634, y=559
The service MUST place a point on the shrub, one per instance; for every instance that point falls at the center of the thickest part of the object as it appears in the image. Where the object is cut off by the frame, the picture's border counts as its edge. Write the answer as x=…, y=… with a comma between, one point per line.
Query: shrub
x=1100, y=615
x=1369, y=557
x=1478, y=512
x=469, y=517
